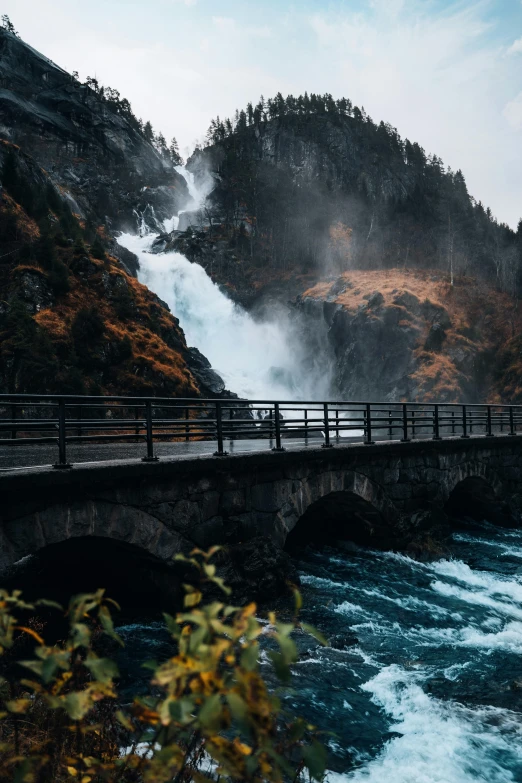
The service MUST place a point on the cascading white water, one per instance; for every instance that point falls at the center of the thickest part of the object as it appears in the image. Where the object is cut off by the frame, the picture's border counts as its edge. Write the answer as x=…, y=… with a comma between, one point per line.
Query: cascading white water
x=256, y=359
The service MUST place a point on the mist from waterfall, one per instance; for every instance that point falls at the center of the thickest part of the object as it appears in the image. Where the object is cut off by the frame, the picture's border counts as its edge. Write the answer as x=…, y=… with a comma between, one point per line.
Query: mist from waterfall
x=257, y=359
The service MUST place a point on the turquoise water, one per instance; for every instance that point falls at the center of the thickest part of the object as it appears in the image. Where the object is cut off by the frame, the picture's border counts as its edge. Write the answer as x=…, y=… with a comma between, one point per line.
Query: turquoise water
x=422, y=682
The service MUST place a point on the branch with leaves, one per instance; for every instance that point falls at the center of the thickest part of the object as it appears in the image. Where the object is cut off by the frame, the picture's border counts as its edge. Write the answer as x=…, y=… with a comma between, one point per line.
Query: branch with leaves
x=210, y=713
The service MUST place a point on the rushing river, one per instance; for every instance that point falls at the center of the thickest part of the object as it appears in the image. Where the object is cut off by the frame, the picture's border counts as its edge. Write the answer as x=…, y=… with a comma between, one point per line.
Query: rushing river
x=422, y=682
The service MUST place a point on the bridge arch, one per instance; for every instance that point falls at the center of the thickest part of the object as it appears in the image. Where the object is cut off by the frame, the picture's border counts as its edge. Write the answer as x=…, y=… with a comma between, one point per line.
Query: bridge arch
x=86, y=518
x=471, y=470
x=475, y=491
x=342, y=504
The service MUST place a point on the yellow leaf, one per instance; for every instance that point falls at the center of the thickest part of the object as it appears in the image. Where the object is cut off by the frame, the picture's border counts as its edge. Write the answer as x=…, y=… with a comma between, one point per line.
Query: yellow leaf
x=72, y=771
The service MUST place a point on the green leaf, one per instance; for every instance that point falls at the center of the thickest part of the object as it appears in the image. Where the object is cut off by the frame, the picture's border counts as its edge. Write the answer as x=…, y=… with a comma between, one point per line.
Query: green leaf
x=280, y=665
x=209, y=716
x=182, y=710
x=102, y=669
x=18, y=706
x=124, y=720
x=78, y=704
x=315, y=633
x=172, y=625
x=196, y=639
x=221, y=584
x=250, y=657
x=108, y=625
x=314, y=757
x=50, y=604
x=238, y=708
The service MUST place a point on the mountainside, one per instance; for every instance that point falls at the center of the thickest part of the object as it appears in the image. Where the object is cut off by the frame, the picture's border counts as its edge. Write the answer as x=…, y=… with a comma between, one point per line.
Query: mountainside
x=314, y=184
x=75, y=166
x=87, y=139
x=72, y=320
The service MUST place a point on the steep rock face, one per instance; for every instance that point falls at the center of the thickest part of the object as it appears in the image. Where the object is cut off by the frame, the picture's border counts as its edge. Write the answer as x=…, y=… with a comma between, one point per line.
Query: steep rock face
x=106, y=167
x=72, y=318
x=410, y=335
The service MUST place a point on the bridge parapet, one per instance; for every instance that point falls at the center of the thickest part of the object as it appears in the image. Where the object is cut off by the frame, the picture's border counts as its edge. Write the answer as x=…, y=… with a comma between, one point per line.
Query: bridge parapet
x=380, y=496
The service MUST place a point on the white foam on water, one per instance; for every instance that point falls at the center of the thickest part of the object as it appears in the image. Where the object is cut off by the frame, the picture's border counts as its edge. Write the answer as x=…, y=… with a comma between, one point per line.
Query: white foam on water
x=412, y=604
x=493, y=585
x=440, y=742
x=478, y=598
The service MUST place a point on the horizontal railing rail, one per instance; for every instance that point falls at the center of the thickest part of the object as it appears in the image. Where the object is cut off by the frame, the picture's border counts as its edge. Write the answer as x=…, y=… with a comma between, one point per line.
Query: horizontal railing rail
x=32, y=420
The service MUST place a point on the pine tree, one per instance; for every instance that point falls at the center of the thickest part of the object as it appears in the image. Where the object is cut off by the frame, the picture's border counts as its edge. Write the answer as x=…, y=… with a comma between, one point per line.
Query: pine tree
x=8, y=25
x=174, y=152
x=148, y=132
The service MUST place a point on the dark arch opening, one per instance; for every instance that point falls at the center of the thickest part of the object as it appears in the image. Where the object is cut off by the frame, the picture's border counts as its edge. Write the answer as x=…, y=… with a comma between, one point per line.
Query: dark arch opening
x=130, y=575
x=341, y=516
x=474, y=498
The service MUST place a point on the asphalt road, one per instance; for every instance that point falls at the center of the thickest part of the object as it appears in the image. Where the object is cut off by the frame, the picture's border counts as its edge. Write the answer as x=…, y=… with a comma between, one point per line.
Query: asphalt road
x=27, y=455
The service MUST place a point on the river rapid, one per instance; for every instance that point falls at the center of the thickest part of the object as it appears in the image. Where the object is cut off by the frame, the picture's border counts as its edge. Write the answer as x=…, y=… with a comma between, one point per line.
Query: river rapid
x=422, y=681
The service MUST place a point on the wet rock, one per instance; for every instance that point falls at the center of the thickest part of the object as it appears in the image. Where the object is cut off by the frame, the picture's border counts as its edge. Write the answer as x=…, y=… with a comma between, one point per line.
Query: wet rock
x=256, y=570
x=436, y=314
x=210, y=380
x=340, y=287
x=196, y=360
x=341, y=641
x=34, y=289
x=409, y=301
x=128, y=260
x=435, y=338
x=375, y=299
x=84, y=267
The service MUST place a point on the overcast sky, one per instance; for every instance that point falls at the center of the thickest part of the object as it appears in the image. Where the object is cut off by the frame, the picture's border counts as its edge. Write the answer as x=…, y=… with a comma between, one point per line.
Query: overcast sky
x=446, y=74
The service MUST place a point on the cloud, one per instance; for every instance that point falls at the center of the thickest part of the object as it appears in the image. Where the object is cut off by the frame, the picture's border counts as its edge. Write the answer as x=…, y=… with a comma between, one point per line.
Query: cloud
x=513, y=112
x=185, y=2
x=516, y=47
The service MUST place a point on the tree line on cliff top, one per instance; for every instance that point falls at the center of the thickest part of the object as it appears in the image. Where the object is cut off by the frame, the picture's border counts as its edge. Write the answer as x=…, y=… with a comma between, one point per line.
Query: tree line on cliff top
x=371, y=198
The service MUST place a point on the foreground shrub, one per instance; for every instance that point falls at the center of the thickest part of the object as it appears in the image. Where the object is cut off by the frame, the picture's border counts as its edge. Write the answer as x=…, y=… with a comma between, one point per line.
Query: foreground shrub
x=210, y=714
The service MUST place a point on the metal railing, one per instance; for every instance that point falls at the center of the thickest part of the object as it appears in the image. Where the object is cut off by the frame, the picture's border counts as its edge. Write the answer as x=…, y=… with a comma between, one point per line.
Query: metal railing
x=31, y=420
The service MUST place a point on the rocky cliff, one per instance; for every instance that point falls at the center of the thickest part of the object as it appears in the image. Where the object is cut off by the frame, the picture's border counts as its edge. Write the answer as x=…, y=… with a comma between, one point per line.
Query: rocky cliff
x=72, y=319
x=91, y=147
x=410, y=335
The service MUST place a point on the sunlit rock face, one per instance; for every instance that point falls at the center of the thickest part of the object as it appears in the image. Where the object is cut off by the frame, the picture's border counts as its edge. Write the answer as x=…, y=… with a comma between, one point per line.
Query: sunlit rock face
x=106, y=166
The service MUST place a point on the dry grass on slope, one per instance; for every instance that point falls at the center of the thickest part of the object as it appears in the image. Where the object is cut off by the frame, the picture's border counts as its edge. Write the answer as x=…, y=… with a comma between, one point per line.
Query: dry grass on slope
x=479, y=322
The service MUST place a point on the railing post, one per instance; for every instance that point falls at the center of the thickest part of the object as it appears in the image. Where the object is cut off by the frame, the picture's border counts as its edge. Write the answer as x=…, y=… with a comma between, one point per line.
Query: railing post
x=13, y=417
x=464, y=423
x=404, y=438
x=390, y=428
x=512, y=430
x=187, y=425
x=62, y=438
x=278, y=446
x=306, y=423
x=413, y=423
x=80, y=416
x=326, y=444
x=219, y=431
x=136, y=418
x=436, y=432
x=369, y=441
x=489, y=433
x=149, y=432
x=337, y=424
x=453, y=422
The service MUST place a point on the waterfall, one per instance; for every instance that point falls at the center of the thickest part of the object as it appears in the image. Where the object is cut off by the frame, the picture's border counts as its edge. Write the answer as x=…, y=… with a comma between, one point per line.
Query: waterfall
x=257, y=359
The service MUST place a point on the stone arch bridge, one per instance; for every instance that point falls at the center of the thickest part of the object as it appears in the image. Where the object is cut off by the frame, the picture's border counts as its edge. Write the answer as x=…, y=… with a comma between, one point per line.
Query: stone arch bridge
x=377, y=494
